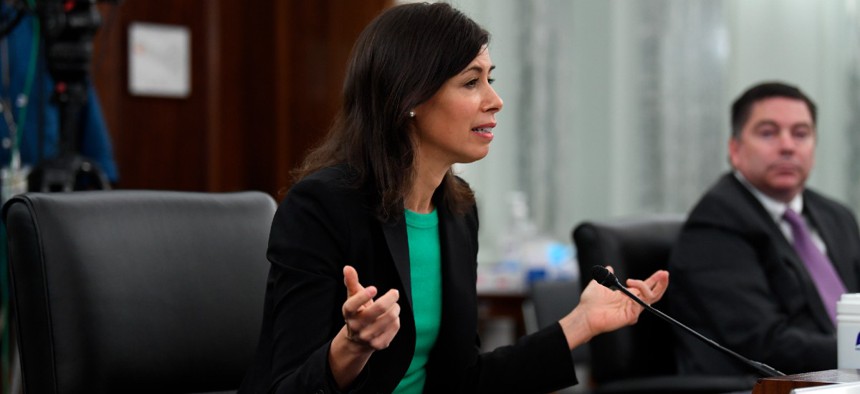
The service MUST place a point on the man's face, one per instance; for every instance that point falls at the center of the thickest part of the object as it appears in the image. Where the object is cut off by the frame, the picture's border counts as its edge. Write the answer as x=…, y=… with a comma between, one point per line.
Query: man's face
x=776, y=148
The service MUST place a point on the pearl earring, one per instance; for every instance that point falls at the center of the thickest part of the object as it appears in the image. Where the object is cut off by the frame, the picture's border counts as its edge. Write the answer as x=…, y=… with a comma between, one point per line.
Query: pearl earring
x=411, y=114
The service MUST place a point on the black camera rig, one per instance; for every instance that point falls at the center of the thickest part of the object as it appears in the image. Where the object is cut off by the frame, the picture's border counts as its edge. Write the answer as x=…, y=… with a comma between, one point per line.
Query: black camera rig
x=68, y=27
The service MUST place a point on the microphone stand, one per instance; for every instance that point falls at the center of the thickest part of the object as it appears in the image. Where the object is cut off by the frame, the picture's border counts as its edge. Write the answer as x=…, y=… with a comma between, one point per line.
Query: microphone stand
x=598, y=271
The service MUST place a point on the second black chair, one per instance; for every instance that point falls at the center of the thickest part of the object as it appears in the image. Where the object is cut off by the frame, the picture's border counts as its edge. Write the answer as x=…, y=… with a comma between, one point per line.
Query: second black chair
x=137, y=291
x=639, y=358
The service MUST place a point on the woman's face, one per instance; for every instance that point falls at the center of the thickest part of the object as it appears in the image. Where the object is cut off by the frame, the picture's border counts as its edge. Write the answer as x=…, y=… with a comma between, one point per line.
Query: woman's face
x=456, y=124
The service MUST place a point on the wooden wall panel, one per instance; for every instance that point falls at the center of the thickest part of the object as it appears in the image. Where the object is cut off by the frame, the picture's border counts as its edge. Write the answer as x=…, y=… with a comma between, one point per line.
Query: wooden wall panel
x=158, y=142
x=265, y=84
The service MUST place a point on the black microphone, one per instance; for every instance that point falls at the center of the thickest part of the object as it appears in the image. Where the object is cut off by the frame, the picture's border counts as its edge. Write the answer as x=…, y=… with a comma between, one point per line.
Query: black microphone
x=608, y=279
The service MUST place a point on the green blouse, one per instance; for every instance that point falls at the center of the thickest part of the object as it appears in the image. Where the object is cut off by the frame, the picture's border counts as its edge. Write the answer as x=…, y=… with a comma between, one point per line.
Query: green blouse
x=425, y=261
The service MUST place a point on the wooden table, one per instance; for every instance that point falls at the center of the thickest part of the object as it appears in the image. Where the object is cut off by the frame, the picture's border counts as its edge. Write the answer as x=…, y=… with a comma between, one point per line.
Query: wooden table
x=784, y=384
x=503, y=304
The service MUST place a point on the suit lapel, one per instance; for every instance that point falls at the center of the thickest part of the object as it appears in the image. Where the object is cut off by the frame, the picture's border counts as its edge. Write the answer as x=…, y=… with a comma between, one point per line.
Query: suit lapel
x=773, y=231
x=826, y=228
x=459, y=318
x=787, y=254
x=455, y=265
x=810, y=293
x=398, y=246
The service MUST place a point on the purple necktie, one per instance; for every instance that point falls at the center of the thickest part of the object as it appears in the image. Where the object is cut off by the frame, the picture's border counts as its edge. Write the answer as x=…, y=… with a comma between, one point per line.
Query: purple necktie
x=829, y=286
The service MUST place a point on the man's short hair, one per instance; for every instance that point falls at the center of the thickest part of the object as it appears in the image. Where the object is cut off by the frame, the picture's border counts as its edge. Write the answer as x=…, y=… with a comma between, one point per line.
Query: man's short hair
x=742, y=107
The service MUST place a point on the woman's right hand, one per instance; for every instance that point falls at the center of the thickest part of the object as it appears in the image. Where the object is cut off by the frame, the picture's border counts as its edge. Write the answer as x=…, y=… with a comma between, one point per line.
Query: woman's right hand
x=369, y=325
x=368, y=322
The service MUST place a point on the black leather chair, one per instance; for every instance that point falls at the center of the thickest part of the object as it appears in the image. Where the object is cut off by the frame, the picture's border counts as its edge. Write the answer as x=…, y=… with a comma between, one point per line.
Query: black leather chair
x=137, y=291
x=639, y=358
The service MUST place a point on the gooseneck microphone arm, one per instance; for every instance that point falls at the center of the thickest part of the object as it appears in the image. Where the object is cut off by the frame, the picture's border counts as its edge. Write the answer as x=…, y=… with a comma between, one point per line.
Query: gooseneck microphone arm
x=608, y=279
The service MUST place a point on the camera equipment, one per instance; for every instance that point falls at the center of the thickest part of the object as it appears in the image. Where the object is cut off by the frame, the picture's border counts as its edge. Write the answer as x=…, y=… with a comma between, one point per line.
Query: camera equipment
x=69, y=27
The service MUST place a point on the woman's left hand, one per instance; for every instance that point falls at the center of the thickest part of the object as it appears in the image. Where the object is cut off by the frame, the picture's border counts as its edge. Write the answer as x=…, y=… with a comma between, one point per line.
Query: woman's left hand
x=601, y=309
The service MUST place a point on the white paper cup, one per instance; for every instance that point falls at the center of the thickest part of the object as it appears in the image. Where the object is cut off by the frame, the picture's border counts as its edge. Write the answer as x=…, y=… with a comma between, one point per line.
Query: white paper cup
x=848, y=331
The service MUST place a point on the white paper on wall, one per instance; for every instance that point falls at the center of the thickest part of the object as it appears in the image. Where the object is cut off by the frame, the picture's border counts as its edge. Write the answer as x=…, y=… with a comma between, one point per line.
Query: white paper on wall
x=159, y=60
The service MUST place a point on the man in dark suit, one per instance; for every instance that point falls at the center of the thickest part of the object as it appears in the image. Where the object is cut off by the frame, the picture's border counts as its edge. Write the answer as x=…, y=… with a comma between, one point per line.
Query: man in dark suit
x=741, y=272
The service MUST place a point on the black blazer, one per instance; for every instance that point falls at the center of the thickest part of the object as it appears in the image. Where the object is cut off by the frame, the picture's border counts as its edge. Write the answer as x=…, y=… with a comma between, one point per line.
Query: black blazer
x=323, y=224
x=737, y=279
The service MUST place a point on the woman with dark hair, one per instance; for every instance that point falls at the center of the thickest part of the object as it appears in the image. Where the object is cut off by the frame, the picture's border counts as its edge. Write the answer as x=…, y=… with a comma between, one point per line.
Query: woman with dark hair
x=378, y=201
